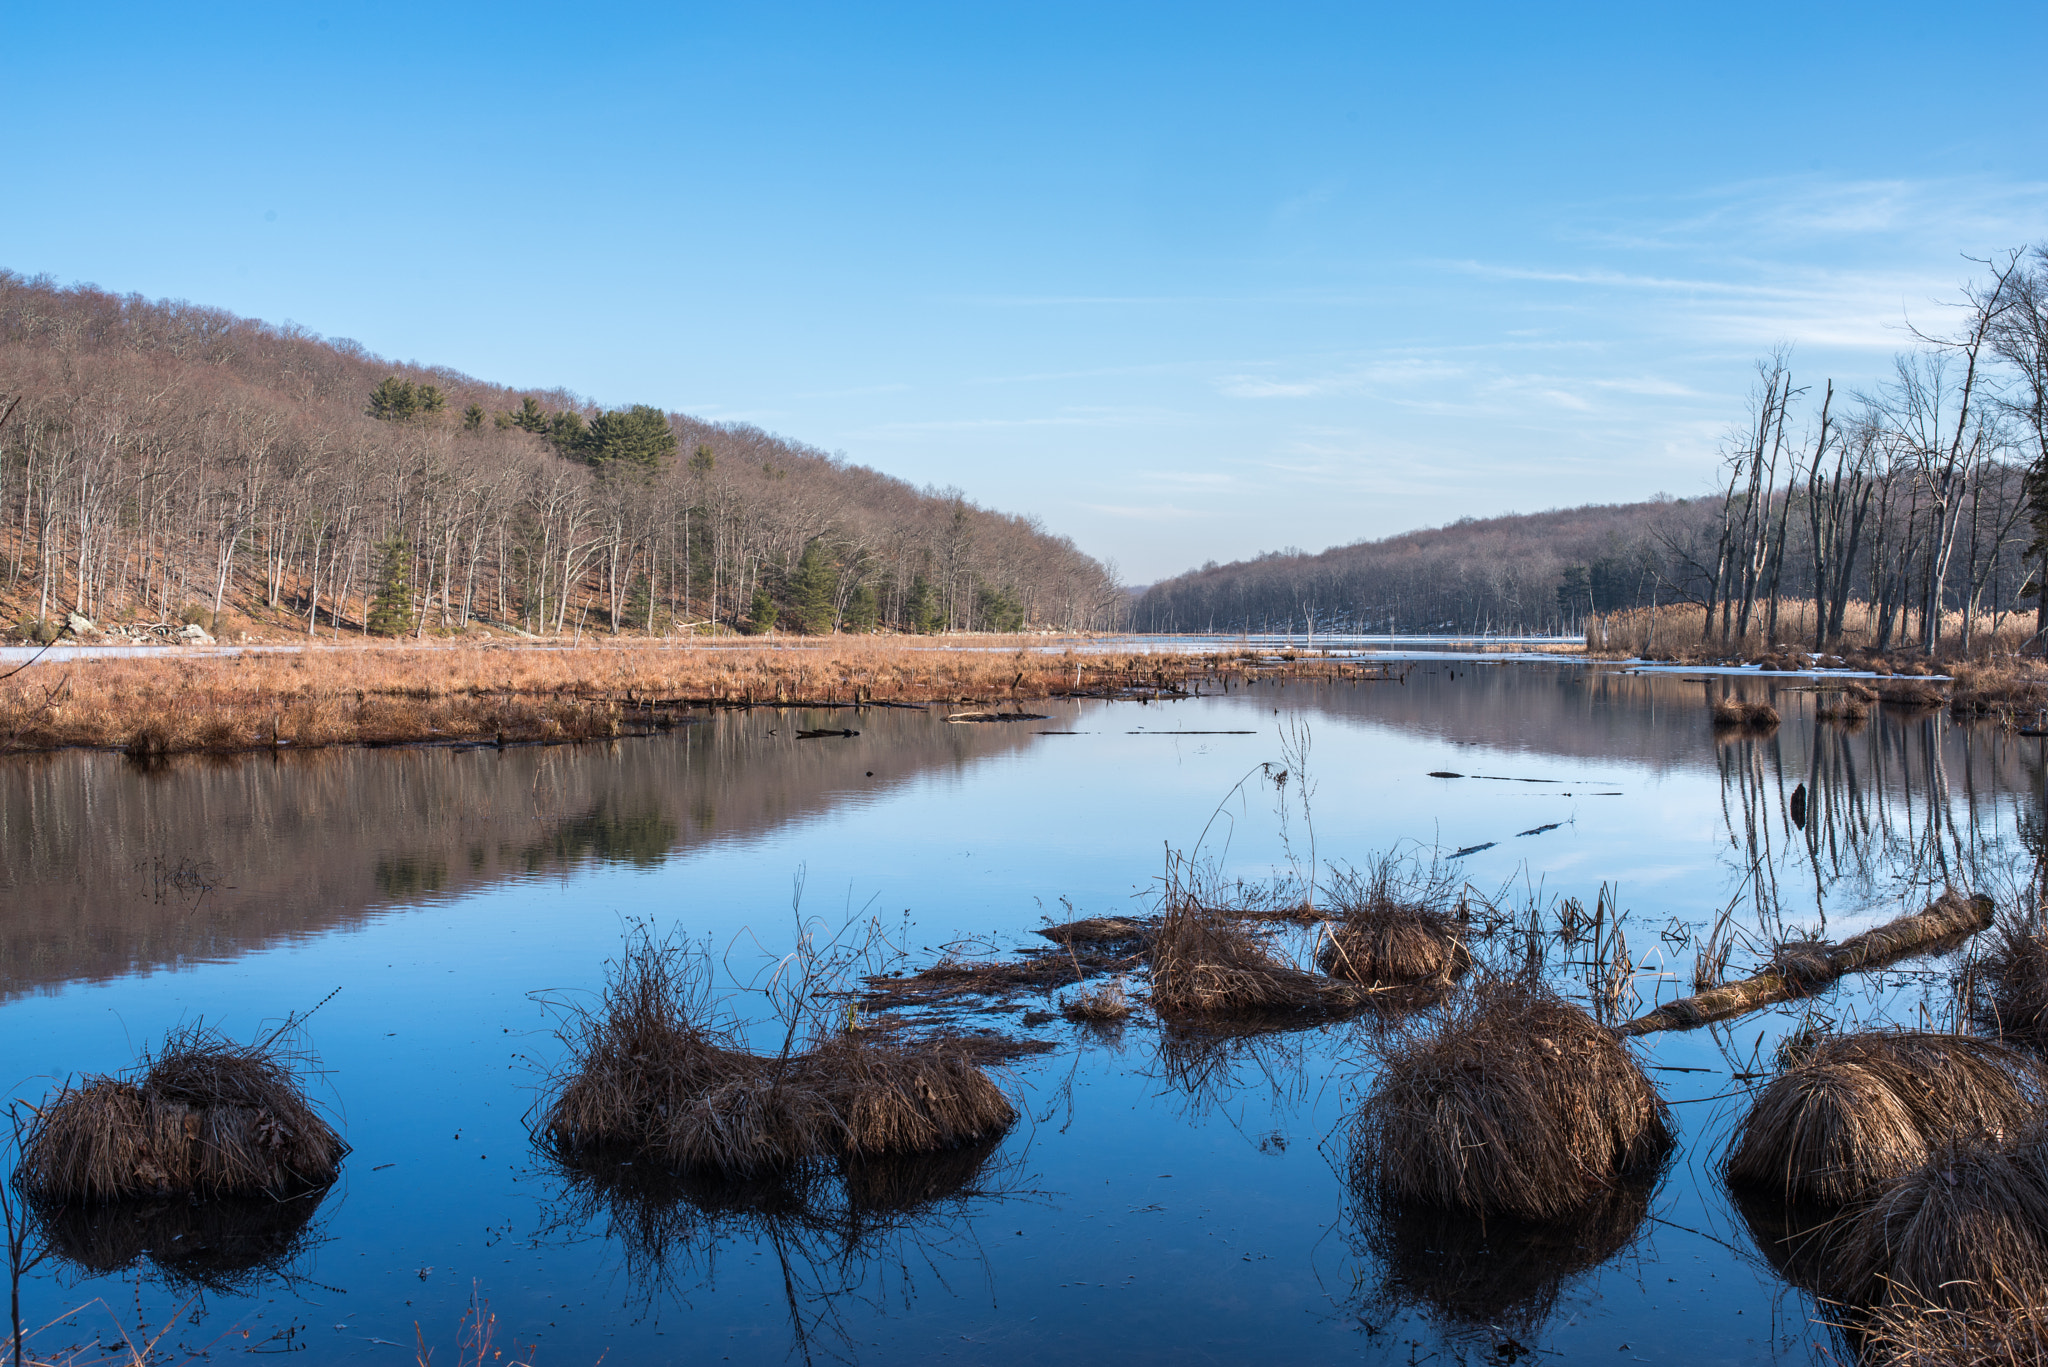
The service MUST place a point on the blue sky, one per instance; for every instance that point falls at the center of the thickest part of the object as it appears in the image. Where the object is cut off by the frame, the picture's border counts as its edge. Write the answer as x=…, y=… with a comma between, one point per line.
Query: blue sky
x=1186, y=281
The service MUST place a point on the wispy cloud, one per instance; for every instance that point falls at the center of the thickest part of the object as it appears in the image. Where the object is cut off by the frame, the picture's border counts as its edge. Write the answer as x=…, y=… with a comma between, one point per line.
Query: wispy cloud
x=1145, y=512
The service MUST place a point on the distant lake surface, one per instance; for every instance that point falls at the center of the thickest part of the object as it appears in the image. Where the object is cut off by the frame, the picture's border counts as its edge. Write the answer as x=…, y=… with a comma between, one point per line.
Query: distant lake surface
x=1159, y=1200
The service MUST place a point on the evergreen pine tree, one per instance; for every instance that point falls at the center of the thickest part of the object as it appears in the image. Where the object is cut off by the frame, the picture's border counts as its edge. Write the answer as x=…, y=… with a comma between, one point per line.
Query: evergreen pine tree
x=922, y=611
x=531, y=417
x=394, y=400
x=473, y=418
x=860, y=609
x=761, y=613
x=810, y=591
x=391, y=608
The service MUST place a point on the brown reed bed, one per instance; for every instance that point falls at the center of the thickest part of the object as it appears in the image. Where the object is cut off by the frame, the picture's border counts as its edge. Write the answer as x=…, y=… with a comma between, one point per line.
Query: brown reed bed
x=201, y=1116
x=1511, y=1102
x=170, y=702
x=1854, y=1112
x=2011, y=687
x=1679, y=634
x=1965, y=1229
x=1846, y=709
x=650, y=1073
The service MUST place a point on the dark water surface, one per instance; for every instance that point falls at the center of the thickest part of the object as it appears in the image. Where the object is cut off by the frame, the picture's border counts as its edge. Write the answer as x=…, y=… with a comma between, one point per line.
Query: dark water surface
x=1159, y=1202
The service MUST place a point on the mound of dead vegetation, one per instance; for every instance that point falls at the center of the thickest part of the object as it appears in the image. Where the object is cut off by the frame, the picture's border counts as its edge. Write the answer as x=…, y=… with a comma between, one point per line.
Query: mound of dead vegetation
x=1965, y=1229
x=1395, y=943
x=1099, y=1005
x=202, y=1116
x=1854, y=1112
x=2011, y=688
x=1903, y=1334
x=1731, y=713
x=1512, y=1102
x=1208, y=963
x=2015, y=973
x=649, y=1073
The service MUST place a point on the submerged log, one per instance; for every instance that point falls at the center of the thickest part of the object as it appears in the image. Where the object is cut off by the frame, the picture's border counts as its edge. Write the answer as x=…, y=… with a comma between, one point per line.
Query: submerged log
x=1949, y=917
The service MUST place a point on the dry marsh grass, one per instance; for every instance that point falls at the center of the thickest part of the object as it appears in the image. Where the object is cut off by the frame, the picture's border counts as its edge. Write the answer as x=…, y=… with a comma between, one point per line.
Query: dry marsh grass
x=1905, y=1334
x=1099, y=1005
x=2016, y=974
x=1749, y=714
x=167, y=701
x=650, y=1073
x=1207, y=963
x=1965, y=1229
x=1678, y=633
x=1858, y=1111
x=201, y=1116
x=1512, y=1102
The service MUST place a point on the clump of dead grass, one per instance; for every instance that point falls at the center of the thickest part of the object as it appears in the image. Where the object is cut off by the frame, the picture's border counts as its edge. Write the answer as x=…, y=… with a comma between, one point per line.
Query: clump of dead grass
x=1099, y=1005
x=2016, y=972
x=1965, y=1229
x=1731, y=711
x=1908, y=1334
x=1096, y=930
x=1391, y=929
x=1861, y=1110
x=202, y=1116
x=1208, y=963
x=650, y=1073
x=1847, y=709
x=1512, y=1102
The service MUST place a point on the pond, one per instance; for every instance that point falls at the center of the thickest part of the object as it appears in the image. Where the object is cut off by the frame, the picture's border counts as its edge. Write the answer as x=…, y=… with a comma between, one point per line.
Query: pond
x=1159, y=1199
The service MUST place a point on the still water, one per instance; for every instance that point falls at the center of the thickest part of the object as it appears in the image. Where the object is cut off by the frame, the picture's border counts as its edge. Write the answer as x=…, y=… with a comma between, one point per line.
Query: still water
x=1153, y=1204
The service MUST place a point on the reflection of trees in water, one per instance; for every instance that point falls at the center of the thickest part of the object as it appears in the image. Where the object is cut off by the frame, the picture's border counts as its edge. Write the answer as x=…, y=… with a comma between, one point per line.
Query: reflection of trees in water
x=853, y=1231
x=1823, y=816
x=225, y=1245
x=642, y=835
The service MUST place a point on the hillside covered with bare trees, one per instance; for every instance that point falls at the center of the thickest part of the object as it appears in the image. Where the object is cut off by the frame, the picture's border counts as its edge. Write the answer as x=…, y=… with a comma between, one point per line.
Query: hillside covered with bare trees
x=162, y=461
x=1918, y=507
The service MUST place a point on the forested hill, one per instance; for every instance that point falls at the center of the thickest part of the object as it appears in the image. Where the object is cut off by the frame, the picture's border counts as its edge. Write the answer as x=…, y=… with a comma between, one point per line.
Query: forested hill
x=160, y=459
x=1521, y=572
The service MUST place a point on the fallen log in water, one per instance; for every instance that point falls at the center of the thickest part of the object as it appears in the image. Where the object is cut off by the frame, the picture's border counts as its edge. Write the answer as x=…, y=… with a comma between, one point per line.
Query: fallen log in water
x=1948, y=917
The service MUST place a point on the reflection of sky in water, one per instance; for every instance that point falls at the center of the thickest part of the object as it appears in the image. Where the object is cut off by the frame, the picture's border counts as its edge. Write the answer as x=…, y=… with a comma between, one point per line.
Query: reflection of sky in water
x=1151, y=1206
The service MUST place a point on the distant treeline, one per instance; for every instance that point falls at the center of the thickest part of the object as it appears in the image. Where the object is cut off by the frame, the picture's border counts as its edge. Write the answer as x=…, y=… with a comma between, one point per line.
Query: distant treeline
x=160, y=459
x=1924, y=498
